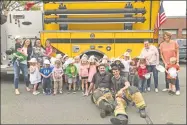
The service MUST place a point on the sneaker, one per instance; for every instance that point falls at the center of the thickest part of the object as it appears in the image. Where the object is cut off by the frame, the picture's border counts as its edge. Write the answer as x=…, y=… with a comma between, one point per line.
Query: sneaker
x=177, y=93
x=86, y=94
x=54, y=93
x=119, y=120
x=48, y=93
x=148, y=89
x=102, y=113
x=74, y=91
x=69, y=91
x=17, y=92
x=156, y=90
x=60, y=92
x=145, y=90
x=170, y=92
x=164, y=90
x=28, y=90
x=36, y=93
x=142, y=113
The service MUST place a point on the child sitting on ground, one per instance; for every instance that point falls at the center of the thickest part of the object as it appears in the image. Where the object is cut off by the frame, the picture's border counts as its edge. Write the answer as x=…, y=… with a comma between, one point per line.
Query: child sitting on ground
x=172, y=69
x=35, y=77
x=46, y=72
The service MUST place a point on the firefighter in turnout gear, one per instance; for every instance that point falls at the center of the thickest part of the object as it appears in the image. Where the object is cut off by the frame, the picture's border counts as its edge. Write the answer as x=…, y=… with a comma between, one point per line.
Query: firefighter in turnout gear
x=102, y=95
x=125, y=94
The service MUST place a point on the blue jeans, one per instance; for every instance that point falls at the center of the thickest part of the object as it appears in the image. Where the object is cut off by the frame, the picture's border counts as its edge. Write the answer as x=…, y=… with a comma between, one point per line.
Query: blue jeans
x=142, y=84
x=152, y=68
x=47, y=85
x=176, y=83
x=24, y=69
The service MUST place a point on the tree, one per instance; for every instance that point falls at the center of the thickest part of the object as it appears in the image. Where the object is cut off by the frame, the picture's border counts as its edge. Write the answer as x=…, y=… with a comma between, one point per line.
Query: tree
x=9, y=5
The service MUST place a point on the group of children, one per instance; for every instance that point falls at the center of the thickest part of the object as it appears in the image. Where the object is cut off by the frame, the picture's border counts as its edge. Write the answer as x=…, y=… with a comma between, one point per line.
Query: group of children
x=77, y=73
x=52, y=73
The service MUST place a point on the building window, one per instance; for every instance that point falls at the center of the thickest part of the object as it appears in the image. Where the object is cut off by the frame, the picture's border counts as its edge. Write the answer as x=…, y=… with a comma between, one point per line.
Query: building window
x=184, y=31
x=172, y=31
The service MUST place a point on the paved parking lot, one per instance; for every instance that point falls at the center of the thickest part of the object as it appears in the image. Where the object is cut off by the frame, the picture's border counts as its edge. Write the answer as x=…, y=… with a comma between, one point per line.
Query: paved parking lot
x=76, y=109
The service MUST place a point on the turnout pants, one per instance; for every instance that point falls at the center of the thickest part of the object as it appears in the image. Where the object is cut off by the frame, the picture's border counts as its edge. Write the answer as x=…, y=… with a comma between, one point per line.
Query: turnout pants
x=122, y=98
x=101, y=94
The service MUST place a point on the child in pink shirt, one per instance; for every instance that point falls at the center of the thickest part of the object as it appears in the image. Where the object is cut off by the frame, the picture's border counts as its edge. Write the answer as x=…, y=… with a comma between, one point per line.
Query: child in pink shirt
x=92, y=70
x=48, y=49
x=83, y=73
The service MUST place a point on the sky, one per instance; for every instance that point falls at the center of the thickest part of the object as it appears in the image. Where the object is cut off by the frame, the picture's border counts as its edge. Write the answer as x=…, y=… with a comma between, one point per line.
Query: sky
x=175, y=8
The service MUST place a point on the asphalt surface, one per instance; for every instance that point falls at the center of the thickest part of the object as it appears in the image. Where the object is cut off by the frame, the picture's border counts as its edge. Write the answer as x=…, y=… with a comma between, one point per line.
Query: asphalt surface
x=76, y=109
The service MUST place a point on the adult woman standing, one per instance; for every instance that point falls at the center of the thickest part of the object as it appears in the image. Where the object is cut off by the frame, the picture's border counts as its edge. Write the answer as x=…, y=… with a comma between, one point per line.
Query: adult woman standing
x=26, y=50
x=169, y=48
x=38, y=51
x=151, y=54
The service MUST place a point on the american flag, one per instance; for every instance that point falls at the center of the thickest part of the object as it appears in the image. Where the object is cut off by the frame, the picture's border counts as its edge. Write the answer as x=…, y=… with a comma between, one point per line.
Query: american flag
x=161, y=17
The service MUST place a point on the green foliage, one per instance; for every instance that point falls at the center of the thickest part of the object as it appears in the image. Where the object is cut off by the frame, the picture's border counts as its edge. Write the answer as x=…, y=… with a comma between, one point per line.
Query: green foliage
x=35, y=8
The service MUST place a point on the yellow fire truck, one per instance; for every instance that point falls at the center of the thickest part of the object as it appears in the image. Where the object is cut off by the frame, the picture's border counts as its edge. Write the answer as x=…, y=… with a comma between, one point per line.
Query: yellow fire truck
x=99, y=27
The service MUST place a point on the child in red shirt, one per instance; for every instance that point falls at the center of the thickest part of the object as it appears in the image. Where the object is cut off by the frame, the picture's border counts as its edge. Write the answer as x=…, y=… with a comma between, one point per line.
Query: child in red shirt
x=142, y=70
x=172, y=70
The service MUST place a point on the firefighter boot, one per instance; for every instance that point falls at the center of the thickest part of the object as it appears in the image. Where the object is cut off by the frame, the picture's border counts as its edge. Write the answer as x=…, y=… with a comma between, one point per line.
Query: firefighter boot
x=142, y=113
x=119, y=120
x=103, y=113
x=105, y=108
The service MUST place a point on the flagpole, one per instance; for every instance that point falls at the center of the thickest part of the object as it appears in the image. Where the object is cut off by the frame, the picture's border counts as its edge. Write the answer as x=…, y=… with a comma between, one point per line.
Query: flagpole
x=160, y=26
x=156, y=31
x=161, y=33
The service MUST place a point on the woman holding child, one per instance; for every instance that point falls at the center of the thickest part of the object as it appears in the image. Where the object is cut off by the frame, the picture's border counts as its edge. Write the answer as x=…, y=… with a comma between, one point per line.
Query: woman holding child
x=168, y=49
x=151, y=55
x=20, y=63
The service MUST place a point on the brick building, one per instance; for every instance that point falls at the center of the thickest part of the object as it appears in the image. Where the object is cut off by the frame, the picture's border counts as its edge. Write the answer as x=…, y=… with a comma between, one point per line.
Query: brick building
x=175, y=25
